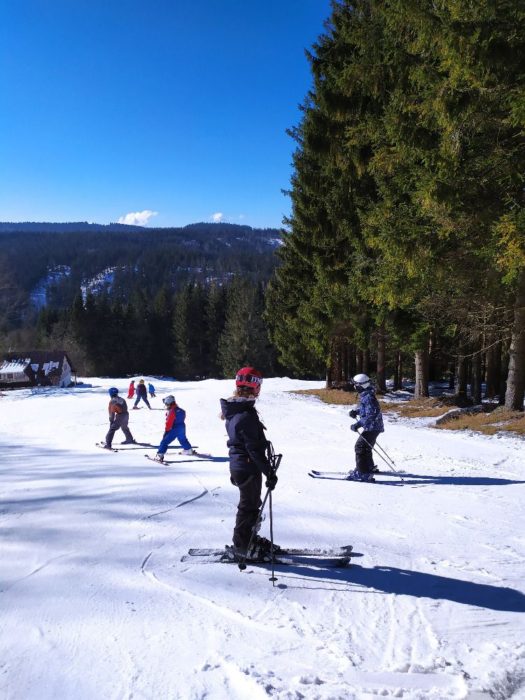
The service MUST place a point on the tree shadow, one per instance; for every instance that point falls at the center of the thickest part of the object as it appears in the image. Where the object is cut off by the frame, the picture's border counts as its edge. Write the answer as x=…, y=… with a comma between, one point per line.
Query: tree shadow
x=388, y=579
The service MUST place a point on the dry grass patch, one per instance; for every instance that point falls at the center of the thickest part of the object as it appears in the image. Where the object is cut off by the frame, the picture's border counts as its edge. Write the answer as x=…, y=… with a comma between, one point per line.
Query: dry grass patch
x=417, y=408
x=496, y=421
x=499, y=420
x=339, y=398
x=333, y=396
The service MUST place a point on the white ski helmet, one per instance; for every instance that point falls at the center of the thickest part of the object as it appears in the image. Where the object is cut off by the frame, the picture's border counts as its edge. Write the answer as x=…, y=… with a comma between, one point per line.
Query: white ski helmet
x=168, y=400
x=362, y=380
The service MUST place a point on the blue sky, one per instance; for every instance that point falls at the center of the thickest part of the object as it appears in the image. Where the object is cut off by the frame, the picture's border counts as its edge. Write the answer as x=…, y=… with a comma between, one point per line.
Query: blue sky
x=178, y=107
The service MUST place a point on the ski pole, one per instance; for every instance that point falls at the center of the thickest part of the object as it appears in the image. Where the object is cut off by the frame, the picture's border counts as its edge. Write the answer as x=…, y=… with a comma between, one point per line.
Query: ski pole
x=380, y=455
x=386, y=454
x=273, y=578
x=275, y=461
x=255, y=529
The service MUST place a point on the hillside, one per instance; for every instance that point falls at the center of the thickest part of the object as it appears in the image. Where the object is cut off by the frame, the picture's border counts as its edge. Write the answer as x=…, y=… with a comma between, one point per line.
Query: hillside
x=47, y=264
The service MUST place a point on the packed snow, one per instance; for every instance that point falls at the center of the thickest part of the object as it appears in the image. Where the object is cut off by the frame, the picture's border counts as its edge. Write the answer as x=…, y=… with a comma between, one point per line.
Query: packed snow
x=95, y=602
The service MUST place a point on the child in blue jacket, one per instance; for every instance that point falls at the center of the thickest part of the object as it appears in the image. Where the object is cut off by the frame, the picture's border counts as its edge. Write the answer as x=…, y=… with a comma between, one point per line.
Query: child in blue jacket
x=371, y=420
x=174, y=429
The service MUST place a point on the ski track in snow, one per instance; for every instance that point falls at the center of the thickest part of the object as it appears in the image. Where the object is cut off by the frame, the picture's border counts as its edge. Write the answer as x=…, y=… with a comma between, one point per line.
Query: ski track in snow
x=97, y=604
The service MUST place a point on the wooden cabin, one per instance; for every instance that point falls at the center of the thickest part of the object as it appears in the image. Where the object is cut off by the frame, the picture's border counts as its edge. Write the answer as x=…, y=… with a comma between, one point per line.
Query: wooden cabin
x=36, y=368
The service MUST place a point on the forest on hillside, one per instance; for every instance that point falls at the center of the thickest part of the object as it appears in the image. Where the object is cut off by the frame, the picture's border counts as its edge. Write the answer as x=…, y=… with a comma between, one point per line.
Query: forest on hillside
x=182, y=302
x=405, y=251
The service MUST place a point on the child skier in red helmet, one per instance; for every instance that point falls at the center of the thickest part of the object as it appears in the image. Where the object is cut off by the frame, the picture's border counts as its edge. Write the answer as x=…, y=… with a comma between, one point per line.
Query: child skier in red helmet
x=247, y=445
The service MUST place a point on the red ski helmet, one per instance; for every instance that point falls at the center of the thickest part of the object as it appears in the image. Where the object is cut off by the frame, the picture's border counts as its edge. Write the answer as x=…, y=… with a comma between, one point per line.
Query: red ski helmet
x=250, y=377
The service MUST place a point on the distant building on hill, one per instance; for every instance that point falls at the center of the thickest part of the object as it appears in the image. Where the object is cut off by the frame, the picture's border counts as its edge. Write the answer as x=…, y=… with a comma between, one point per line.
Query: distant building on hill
x=36, y=368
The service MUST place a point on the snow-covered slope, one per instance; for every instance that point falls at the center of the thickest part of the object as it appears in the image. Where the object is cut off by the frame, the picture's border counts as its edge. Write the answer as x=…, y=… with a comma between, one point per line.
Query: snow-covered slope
x=95, y=602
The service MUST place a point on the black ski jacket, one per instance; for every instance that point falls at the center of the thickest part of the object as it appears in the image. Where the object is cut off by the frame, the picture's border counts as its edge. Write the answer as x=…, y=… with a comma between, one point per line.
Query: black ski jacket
x=246, y=439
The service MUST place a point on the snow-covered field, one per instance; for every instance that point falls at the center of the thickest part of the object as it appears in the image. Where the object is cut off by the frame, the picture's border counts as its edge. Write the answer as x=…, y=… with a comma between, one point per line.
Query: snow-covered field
x=96, y=604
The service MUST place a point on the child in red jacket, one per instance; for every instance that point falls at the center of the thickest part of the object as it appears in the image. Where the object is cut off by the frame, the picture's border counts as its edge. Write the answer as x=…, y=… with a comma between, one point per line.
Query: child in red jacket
x=175, y=429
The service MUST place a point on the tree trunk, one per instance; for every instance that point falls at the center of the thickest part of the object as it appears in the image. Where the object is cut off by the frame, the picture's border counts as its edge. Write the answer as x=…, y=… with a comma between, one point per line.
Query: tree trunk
x=475, y=386
x=358, y=361
x=328, y=382
x=421, y=362
x=381, y=359
x=516, y=374
x=451, y=375
x=397, y=378
x=460, y=380
x=351, y=361
x=399, y=369
x=366, y=361
x=493, y=371
x=336, y=361
x=433, y=365
x=344, y=362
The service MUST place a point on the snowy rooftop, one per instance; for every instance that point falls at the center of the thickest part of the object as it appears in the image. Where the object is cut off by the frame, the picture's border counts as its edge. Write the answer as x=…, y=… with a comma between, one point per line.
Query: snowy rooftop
x=14, y=366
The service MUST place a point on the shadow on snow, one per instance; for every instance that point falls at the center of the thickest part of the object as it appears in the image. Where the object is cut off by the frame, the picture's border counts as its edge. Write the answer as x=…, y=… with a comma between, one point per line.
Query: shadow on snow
x=388, y=579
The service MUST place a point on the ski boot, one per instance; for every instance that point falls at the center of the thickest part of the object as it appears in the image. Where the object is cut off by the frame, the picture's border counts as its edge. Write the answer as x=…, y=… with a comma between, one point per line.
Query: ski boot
x=264, y=546
x=356, y=475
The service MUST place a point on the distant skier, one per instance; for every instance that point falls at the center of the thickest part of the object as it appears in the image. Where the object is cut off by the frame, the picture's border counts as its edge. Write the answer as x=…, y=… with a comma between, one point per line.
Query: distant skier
x=118, y=419
x=142, y=393
x=175, y=429
x=131, y=389
x=151, y=390
x=248, y=461
x=371, y=420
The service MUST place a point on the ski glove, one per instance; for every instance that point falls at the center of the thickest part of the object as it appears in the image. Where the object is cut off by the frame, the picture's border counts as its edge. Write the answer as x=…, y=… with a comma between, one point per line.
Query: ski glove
x=353, y=413
x=354, y=427
x=271, y=481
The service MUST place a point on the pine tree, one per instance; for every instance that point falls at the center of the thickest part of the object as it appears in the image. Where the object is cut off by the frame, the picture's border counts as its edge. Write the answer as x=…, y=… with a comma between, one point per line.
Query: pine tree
x=244, y=340
x=214, y=320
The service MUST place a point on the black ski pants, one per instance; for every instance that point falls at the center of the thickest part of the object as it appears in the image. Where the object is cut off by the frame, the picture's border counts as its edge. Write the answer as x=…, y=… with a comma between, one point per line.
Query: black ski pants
x=250, y=487
x=143, y=397
x=364, y=460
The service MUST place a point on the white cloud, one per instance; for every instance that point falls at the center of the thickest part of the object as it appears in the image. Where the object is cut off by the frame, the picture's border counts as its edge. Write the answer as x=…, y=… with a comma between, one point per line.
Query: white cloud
x=217, y=217
x=137, y=218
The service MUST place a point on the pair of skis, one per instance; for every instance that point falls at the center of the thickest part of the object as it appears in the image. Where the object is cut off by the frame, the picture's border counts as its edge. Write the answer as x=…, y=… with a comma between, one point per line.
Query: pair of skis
x=337, y=557
x=117, y=449
x=201, y=455
x=338, y=476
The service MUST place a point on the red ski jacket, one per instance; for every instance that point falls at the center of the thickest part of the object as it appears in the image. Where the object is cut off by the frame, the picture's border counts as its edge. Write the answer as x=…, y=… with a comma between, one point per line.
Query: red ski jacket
x=175, y=417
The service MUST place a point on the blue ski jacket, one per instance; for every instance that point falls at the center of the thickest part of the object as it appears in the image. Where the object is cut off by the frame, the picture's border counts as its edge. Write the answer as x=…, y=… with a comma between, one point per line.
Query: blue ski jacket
x=370, y=416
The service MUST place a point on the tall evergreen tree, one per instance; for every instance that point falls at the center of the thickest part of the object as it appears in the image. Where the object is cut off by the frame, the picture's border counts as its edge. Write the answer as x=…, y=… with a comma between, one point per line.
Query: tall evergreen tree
x=244, y=340
x=214, y=320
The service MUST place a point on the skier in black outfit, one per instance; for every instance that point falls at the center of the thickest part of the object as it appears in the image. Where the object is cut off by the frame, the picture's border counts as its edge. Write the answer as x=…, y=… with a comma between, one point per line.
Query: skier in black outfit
x=142, y=393
x=248, y=461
